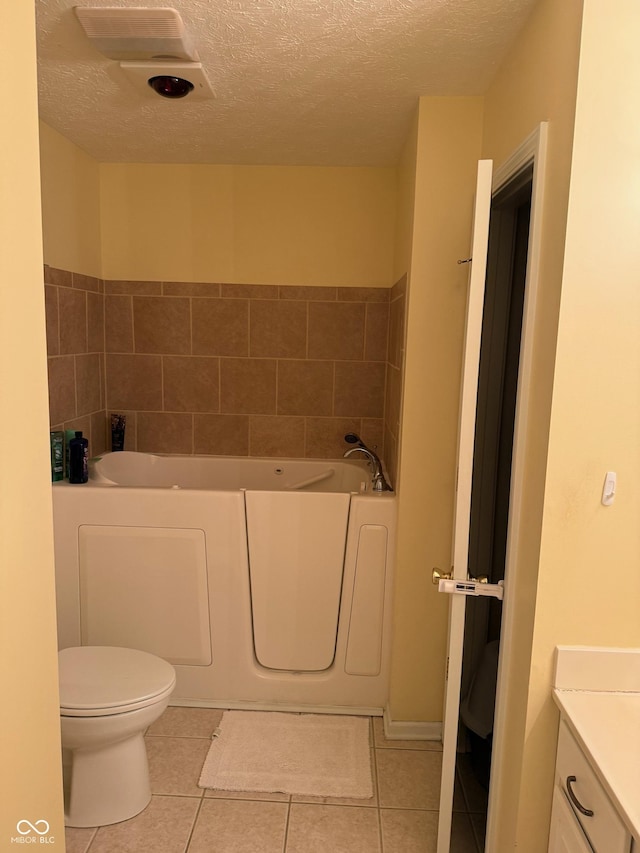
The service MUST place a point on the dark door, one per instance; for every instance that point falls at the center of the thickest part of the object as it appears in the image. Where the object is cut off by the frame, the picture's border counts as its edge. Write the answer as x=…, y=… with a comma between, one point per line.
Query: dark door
x=493, y=447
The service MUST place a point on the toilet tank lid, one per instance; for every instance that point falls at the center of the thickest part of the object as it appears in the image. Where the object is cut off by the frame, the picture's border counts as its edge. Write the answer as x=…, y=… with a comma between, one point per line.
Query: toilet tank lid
x=109, y=677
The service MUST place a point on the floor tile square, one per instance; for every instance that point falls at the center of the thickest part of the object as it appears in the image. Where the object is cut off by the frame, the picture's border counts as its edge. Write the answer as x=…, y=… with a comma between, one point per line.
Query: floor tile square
x=186, y=722
x=165, y=825
x=408, y=779
x=78, y=838
x=409, y=831
x=417, y=832
x=234, y=826
x=175, y=764
x=339, y=829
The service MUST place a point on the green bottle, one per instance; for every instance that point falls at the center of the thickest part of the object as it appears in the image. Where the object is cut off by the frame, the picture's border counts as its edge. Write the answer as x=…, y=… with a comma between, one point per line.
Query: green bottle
x=56, y=438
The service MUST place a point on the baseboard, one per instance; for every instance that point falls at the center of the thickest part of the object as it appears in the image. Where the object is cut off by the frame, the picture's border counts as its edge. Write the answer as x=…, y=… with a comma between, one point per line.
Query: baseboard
x=290, y=707
x=404, y=730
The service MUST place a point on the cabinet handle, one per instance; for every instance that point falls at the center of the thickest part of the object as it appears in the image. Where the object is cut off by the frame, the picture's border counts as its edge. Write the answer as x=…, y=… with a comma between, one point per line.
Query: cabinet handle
x=574, y=799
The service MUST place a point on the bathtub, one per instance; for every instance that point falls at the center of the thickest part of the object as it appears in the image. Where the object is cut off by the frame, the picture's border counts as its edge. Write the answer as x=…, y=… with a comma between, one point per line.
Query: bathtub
x=266, y=583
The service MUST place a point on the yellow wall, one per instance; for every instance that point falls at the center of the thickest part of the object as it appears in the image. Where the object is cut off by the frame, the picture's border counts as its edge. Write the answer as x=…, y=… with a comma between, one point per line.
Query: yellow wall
x=29, y=712
x=405, y=202
x=537, y=82
x=595, y=422
x=234, y=224
x=70, y=205
x=448, y=147
x=248, y=224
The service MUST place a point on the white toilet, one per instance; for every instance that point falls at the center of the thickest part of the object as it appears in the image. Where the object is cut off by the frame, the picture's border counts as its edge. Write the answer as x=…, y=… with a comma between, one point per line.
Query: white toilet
x=108, y=697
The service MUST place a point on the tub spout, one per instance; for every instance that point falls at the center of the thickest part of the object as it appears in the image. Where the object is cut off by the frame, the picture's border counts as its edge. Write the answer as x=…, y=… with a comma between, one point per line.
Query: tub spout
x=378, y=480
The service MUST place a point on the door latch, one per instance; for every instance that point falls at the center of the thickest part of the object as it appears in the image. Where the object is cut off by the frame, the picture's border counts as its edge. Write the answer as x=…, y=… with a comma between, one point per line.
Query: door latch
x=471, y=586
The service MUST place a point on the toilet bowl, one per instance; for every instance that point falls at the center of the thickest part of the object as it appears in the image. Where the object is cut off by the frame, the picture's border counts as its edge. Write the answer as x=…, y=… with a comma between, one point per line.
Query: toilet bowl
x=108, y=697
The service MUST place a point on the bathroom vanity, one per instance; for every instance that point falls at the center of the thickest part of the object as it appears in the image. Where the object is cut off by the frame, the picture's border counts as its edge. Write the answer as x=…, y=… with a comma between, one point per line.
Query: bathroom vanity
x=596, y=797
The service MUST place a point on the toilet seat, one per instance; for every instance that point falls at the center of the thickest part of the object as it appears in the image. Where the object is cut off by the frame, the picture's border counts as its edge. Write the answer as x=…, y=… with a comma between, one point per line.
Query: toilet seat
x=98, y=681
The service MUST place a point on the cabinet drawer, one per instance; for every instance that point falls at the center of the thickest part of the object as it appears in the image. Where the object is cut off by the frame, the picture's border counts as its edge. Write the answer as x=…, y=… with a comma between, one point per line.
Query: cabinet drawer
x=604, y=829
x=566, y=835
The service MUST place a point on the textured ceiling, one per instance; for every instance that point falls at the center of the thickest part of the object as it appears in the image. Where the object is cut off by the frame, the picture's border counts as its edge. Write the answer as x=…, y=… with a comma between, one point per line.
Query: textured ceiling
x=317, y=82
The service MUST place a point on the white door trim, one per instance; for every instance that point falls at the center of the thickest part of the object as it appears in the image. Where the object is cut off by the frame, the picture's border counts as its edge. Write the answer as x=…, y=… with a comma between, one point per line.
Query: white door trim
x=532, y=150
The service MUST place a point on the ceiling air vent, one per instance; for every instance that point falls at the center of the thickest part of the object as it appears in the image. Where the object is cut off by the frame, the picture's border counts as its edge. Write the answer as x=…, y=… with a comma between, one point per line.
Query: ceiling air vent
x=137, y=33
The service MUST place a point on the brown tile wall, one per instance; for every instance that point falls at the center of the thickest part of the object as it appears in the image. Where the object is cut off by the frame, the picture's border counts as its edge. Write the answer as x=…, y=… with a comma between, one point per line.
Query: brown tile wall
x=242, y=370
x=395, y=375
x=250, y=370
x=75, y=346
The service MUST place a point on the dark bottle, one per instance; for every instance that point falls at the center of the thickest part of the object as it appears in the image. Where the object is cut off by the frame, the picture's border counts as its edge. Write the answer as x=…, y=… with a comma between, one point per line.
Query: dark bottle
x=78, y=459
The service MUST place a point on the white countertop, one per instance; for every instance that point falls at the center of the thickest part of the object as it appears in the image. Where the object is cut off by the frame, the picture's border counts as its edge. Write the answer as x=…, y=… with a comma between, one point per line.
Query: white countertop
x=605, y=722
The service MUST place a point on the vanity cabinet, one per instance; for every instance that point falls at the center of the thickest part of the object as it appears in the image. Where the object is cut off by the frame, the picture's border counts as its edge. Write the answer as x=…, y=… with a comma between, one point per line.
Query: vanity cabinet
x=583, y=818
x=566, y=834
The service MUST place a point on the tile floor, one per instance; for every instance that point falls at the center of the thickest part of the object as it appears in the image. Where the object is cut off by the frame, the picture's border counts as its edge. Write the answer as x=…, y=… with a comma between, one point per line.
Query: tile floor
x=182, y=818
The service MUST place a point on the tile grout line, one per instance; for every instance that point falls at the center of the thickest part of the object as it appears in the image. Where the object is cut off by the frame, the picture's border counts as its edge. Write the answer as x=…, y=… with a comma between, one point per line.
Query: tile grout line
x=162, y=408
x=248, y=301
x=378, y=792
x=86, y=320
x=133, y=325
x=58, y=313
x=75, y=386
x=87, y=849
x=195, y=821
x=478, y=842
x=306, y=331
x=377, y=784
x=365, y=326
x=285, y=838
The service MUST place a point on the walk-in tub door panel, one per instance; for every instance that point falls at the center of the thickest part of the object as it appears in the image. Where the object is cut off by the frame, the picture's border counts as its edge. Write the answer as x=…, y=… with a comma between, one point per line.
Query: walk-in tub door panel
x=145, y=588
x=296, y=559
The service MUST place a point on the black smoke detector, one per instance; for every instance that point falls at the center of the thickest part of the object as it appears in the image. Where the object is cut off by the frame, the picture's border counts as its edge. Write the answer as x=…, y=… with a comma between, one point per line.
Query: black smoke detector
x=170, y=87
x=169, y=79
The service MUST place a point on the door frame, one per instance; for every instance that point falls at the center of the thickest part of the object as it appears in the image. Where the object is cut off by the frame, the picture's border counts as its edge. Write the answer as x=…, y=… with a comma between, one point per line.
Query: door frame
x=533, y=150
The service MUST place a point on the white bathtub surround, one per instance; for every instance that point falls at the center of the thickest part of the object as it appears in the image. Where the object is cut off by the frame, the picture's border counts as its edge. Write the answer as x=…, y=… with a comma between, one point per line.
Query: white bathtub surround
x=166, y=569
x=598, y=693
x=311, y=754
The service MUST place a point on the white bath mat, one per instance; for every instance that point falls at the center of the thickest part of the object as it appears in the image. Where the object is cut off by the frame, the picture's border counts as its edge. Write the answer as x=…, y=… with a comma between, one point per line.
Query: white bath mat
x=312, y=754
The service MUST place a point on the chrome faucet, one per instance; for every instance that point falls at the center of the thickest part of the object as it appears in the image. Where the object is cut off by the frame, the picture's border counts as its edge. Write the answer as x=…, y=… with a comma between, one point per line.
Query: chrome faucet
x=379, y=483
